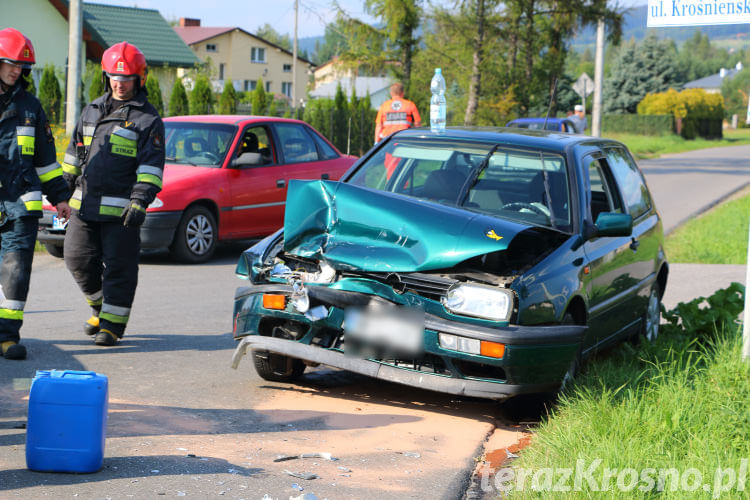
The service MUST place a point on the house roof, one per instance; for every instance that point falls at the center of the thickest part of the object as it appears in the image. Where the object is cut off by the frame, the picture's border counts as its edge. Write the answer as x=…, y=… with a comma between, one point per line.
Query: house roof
x=194, y=34
x=363, y=85
x=106, y=25
x=711, y=82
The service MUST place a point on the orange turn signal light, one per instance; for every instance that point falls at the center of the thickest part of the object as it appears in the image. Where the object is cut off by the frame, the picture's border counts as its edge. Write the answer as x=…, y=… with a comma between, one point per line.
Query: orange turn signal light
x=492, y=349
x=271, y=301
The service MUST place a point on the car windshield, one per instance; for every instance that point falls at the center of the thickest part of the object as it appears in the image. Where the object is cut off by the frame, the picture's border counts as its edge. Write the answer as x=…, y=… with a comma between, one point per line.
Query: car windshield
x=496, y=180
x=198, y=144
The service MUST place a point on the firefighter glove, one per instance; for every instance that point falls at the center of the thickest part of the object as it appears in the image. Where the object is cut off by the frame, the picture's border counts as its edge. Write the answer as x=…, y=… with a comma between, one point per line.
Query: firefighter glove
x=133, y=214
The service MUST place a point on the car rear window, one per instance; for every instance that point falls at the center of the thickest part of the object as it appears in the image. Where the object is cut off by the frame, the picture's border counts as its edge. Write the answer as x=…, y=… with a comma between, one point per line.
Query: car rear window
x=525, y=185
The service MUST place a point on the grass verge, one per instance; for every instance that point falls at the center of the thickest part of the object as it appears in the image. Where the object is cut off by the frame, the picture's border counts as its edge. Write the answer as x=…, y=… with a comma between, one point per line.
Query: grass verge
x=643, y=146
x=717, y=237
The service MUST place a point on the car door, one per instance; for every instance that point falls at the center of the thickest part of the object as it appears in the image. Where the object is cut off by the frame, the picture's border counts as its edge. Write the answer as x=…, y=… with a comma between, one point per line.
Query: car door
x=258, y=192
x=646, y=240
x=609, y=284
x=304, y=156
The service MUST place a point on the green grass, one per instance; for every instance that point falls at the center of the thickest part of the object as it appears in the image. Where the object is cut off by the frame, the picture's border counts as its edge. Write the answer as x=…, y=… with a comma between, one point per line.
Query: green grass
x=653, y=146
x=717, y=237
x=671, y=404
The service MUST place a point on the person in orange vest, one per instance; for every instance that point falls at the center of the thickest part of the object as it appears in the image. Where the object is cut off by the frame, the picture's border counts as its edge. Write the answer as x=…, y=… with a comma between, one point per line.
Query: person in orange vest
x=396, y=114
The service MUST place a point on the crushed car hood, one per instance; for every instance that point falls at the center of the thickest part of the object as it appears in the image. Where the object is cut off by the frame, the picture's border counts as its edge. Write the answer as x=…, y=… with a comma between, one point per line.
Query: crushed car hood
x=364, y=229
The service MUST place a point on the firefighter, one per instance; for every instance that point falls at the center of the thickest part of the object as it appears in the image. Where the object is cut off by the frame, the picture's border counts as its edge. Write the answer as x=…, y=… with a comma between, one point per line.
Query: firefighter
x=114, y=163
x=28, y=166
x=396, y=114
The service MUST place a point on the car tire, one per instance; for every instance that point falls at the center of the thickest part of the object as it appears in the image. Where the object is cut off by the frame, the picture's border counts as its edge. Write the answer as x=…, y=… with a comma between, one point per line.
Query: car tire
x=277, y=367
x=652, y=316
x=54, y=250
x=195, y=239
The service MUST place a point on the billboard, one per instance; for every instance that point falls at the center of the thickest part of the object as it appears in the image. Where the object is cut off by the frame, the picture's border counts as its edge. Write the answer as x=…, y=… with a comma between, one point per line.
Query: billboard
x=697, y=12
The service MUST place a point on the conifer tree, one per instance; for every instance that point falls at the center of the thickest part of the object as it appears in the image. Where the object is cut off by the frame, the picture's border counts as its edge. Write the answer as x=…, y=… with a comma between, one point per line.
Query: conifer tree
x=50, y=95
x=153, y=91
x=228, y=100
x=178, y=101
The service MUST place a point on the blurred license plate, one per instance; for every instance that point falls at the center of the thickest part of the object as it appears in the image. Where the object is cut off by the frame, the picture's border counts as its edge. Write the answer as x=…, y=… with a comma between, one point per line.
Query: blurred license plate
x=384, y=331
x=57, y=223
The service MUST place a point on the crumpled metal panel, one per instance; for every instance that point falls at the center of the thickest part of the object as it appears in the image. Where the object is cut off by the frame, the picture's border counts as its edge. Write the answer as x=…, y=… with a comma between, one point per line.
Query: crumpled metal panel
x=359, y=228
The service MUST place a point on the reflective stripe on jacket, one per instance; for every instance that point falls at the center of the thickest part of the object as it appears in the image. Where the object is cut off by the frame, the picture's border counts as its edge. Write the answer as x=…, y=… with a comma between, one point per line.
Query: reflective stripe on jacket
x=115, y=157
x=28, y=164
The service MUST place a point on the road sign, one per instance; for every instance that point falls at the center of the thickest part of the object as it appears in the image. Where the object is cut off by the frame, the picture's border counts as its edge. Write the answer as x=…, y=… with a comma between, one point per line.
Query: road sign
x=696, y=13
x=584, y=86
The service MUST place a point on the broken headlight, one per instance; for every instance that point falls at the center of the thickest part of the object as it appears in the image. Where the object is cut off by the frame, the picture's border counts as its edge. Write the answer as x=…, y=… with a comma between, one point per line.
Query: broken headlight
x=479, y=301
x=320, y=273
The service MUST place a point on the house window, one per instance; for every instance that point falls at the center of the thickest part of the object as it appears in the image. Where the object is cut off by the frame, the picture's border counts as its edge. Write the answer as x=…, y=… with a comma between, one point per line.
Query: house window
x=286, y=88
x=221, y=71
x=258, y=55
x=210, y=47
x=250, y=85
x=268, y=86
x=287, y=68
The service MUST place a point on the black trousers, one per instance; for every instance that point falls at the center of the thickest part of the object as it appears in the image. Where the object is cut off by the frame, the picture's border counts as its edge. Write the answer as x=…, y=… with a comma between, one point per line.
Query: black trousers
x=17, y=238
x=103, y=259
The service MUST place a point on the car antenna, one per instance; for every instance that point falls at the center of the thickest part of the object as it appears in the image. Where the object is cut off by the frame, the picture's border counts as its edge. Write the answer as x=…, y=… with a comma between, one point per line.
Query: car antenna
x=551, y=100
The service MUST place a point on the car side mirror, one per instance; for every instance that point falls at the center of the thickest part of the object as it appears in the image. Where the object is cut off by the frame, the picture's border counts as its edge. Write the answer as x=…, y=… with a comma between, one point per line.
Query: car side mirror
x=247, y=159
x=613, y=224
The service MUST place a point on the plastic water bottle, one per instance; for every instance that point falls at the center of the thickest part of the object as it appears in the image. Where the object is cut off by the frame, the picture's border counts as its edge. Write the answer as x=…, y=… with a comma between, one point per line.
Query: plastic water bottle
x=437, y=102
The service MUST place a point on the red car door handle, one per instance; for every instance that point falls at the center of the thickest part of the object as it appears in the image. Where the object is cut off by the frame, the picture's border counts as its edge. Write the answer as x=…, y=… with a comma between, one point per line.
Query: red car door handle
x=279, y=183
x=325, y=177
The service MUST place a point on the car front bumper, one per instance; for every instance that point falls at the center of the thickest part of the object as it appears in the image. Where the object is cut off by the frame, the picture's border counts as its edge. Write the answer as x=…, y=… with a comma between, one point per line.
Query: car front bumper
x=157, y=230
x=535, y=359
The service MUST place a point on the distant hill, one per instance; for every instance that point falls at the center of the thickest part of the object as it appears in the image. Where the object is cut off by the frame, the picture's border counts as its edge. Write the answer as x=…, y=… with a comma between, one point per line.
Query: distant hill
x=308, y=44
x=634, y=26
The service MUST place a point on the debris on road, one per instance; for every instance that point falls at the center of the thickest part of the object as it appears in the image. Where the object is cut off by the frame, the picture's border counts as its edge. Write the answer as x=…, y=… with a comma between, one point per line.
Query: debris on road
x=412, y=454
x=302, y=475
x=345, y=469
x=324, y=455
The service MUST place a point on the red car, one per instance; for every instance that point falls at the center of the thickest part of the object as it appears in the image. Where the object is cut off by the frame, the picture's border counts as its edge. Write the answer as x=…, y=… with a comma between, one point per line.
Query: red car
x=225, y=179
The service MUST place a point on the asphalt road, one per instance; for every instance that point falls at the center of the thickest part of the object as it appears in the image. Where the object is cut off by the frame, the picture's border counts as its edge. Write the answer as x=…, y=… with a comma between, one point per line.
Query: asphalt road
x=183, y=423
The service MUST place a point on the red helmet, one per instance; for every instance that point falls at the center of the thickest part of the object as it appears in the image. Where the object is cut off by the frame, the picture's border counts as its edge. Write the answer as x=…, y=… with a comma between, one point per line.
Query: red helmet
x=16, y=48
x=126, y=60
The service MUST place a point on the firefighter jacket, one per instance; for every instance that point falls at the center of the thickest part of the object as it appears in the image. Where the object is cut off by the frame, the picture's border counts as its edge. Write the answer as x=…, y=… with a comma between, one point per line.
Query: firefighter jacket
x=28, y=163
x=115, y=156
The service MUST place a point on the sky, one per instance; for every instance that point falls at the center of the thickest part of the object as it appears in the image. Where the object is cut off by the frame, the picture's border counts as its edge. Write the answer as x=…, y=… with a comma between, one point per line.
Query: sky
x=251, y=14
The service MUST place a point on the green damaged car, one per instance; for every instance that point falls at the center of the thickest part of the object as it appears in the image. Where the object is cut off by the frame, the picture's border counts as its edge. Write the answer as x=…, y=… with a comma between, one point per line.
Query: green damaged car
x=480, y=262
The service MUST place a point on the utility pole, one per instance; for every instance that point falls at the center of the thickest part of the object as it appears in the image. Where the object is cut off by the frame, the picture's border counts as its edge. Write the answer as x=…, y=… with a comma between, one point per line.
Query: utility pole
x=73, y=85
x=294, y=60
x=596, y=115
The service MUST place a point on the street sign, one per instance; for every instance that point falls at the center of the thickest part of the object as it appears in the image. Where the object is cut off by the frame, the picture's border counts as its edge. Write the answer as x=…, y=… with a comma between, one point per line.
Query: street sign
x=584, y=86
x=696, y=13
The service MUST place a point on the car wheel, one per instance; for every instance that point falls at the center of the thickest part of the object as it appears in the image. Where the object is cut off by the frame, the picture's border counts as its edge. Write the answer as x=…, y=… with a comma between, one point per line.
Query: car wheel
x=276, y=367
x=575, y=363
x=652, y=316
x=54, y=250
x=195, y=240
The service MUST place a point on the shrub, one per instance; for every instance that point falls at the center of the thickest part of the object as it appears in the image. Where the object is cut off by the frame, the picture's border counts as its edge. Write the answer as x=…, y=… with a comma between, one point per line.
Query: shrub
x=178, y=101
x=696, y=111
x=153, y=91
x=30, y=86
x=228, y=100
x=638, y=124
x=259, y=99
x=201, y=97
x=50, y=95
x=96, y=87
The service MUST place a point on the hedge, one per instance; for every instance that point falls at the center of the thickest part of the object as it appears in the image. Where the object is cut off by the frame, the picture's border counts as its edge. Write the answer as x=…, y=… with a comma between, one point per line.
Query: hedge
x=696, y=112
x=637, y=124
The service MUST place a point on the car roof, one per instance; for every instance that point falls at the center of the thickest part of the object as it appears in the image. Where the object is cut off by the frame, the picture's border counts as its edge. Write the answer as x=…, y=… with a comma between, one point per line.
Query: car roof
x=537, y=120
x=229, y=119
x=533, y=139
